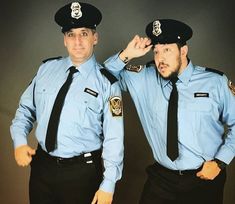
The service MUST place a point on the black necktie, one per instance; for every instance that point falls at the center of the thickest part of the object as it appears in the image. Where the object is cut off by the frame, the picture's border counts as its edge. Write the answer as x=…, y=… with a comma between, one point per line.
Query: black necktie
x=172, y=124
x=52, y=128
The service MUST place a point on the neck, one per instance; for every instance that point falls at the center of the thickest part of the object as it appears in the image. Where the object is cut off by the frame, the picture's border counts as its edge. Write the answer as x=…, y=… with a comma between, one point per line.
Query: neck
x=184, y=64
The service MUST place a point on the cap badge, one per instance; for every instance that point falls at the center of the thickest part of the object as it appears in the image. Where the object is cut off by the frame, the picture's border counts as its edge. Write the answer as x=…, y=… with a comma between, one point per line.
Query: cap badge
x=157, y=28
x=76, y=10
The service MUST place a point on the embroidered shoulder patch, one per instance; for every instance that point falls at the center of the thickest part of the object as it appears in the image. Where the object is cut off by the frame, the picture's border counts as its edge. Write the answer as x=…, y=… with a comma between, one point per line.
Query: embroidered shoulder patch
x=231, y=87
x=115, y=104
x=134, y=68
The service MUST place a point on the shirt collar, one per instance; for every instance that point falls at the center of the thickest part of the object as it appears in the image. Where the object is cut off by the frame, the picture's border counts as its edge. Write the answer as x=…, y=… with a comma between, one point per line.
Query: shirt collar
x=184, y=77
x=85, y=68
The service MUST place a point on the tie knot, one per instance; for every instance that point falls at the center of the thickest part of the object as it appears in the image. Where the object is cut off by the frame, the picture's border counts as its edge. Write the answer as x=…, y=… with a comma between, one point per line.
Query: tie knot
x=174, y=80
x=73, y=70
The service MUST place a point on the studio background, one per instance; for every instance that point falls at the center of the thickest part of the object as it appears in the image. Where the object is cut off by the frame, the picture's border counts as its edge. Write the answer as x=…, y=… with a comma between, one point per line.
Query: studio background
x=29, y=35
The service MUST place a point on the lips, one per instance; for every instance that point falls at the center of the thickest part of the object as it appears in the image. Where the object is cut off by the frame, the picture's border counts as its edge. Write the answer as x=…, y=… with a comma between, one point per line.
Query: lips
x=162, y=67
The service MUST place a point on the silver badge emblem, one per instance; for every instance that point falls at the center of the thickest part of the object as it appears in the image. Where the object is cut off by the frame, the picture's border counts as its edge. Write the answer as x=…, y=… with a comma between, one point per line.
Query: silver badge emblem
x=76, y=10
x=157, y=28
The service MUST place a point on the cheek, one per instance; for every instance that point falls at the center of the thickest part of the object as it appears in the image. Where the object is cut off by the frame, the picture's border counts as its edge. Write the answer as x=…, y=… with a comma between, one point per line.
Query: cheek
x=156, y=59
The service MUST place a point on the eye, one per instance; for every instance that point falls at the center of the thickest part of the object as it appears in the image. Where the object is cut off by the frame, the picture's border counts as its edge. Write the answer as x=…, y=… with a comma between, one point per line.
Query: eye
x=167, y=49
x=84, y=34
x=70, y=34
x=155, y=52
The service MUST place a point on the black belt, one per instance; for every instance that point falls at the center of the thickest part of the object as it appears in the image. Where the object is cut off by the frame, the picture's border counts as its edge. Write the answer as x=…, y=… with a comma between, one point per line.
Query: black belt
x=177, y=172
x=88, y=157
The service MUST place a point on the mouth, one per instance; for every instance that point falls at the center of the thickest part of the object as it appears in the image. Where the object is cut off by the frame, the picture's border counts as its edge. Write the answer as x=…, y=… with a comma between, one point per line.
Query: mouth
x=162, y=67
x=78, y=49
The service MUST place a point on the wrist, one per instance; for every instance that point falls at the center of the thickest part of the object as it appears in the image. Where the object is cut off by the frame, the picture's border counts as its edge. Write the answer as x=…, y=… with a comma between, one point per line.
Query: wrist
x=124, y=56
x=220, y=163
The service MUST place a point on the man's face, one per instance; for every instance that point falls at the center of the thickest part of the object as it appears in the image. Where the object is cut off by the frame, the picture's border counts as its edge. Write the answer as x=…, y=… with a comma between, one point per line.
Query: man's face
x=168, y=60
x=80, y=44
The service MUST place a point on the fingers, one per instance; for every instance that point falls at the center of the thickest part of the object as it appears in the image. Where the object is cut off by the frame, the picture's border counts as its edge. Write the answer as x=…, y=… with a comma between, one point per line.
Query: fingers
x=32, y=151
x=141, y=43
x=201, y=176
x=23, y=155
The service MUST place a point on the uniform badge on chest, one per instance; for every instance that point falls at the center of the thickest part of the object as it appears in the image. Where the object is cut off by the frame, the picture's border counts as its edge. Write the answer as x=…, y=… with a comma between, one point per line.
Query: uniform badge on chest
x=91, y=92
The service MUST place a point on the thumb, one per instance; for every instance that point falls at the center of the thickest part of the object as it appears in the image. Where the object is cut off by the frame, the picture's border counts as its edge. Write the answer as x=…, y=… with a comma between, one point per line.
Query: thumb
x=94, y=199
x=31, y=151
x=199, y=174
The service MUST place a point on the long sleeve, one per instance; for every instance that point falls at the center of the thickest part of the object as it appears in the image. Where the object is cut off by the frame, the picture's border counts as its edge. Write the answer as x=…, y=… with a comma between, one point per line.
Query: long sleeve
x=113, y=148
x=25, y=116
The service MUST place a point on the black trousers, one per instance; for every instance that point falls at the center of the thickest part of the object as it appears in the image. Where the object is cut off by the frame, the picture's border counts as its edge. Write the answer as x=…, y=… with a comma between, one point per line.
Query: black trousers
x=164, y=186
x=63, y=182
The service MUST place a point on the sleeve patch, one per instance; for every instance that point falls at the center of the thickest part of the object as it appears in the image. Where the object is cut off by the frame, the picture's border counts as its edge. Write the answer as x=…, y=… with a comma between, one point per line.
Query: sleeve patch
x=231, y=87
x=134, y=68
x=115, y=104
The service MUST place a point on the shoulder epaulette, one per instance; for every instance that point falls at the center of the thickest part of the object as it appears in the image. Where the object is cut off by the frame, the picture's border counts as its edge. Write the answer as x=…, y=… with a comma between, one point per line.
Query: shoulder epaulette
x=214, y=71
x=108, y=75
x=152, y=62
x=134, y=68
x=52, y=58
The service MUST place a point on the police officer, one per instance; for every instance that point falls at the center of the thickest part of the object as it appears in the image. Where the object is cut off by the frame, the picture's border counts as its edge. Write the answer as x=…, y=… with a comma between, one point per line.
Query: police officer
x=205, y=103
x=78, y=109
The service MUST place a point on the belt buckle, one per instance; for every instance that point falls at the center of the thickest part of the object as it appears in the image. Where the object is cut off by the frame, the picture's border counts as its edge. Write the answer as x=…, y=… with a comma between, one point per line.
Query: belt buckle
x=59, y=160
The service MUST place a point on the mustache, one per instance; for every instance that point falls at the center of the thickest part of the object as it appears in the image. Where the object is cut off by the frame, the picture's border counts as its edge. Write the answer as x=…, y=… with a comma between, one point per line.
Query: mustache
x=162, y=64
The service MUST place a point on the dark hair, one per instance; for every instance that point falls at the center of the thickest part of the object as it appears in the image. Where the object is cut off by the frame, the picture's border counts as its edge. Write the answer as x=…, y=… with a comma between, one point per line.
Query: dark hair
x=180, y=44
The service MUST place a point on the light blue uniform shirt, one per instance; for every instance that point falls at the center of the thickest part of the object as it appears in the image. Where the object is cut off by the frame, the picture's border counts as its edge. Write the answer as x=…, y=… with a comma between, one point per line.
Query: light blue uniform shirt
x=205, y=104
x=86, y=121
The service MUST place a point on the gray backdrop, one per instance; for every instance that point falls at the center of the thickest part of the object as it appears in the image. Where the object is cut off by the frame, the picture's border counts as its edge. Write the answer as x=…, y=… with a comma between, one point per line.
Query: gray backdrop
x=29, y=35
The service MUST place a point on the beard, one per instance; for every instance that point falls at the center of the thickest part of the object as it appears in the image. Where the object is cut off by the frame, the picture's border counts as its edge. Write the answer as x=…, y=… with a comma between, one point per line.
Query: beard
x=172, y=74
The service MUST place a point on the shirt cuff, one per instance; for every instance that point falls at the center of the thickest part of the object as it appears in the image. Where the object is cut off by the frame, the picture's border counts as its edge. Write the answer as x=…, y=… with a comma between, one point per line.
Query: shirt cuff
x=225, y=154
x=114, y=63
x=107, y=186
x=19, y=142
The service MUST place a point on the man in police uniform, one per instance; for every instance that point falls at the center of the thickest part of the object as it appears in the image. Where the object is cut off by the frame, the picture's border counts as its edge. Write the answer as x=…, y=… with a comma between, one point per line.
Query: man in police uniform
x=67, y=168
x=206, y=102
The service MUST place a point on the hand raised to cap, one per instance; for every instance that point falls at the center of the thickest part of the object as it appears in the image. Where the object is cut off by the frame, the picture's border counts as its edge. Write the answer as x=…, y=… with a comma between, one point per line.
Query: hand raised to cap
x=137, y=47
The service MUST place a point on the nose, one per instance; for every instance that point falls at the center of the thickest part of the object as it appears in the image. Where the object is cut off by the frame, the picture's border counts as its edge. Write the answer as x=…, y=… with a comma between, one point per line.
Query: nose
x=78, y=39
x=159, y=58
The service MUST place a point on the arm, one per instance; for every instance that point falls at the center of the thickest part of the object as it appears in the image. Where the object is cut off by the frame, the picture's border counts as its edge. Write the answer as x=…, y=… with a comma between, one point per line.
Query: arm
x=137, y=47
x=113, y=149
x=21, y=126
x=226, y=151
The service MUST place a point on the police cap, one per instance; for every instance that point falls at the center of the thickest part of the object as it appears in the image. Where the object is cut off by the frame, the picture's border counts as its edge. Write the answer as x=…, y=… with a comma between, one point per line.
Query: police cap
x=166, y=31
x=78, y=15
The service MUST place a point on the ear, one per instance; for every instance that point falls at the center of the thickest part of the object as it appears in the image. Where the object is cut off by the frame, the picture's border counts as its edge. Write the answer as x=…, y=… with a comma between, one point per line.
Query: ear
x=184, y=51
x=95, y=38
x=65, y=44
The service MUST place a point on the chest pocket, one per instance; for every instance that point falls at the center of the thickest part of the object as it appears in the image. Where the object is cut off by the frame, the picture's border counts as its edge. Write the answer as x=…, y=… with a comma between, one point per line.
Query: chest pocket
x=203, y=105
x=91, y=111
x=43, y=96
x=194, y=115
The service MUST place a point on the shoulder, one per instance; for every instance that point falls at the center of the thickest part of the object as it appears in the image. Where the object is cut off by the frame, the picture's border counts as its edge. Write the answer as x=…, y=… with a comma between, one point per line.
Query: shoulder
x=209, y=72
x=105, y=73
x=51, y=59
x=216, y=71
x=50, y=64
